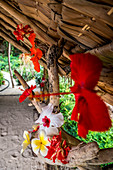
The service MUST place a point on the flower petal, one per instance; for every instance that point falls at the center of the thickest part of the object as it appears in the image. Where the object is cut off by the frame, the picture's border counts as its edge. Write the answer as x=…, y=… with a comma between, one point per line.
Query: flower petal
x=57, y=120
x=51, y=131
x=46, y=111
x=42, y=135
x=26, y=142
x=43, y=150
x=36, y=144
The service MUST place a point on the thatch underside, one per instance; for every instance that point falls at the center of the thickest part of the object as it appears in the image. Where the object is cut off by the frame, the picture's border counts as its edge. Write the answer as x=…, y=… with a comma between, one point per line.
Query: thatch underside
x=84, y=26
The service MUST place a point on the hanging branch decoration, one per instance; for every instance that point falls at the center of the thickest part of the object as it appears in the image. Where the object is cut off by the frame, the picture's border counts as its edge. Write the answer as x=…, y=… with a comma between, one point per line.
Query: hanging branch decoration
x=27, y=30
x=90, y=111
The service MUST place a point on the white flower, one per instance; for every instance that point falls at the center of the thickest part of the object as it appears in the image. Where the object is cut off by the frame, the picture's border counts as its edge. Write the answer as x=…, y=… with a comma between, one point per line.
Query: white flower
x=50, y=121
x=39, y=145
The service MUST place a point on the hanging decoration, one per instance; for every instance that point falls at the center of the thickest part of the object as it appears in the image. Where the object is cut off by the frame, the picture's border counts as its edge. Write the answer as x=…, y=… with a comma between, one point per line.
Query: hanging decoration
x=36, y=52
x=90, y=111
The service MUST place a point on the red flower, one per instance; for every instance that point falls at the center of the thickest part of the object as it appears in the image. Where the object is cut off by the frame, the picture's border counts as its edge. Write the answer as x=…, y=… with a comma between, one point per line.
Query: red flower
x=58, y=149
x=46, y=121
x=43, y=82
x=37, y=55
x=21, y=31
x=26, y=93
x=90, y=111
x=31, y=39
x=28, y=30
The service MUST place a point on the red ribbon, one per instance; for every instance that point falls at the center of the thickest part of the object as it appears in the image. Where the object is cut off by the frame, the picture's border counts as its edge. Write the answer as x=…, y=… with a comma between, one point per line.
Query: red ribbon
x=51, y=94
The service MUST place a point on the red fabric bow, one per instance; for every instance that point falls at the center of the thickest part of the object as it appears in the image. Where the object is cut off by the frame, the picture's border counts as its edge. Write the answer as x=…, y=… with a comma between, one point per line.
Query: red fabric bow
x=90, y=111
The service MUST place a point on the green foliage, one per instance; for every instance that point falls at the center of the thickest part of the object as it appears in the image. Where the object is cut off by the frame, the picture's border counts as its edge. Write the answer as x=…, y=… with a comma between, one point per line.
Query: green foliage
x=39, y=75
x=1, y=78
x=14, y=60
x=104, y=139
x=14, y=50
x=26, y=70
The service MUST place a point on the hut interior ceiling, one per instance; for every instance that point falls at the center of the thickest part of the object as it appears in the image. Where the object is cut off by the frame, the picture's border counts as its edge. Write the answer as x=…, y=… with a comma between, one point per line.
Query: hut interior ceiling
x=85, y=26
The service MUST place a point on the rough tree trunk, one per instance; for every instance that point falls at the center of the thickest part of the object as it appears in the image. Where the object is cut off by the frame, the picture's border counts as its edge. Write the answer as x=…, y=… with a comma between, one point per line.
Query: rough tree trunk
x=52, y=55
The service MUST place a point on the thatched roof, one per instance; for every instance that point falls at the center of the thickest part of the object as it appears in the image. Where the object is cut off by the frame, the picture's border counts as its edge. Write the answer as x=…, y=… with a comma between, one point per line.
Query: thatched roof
x=82, y=26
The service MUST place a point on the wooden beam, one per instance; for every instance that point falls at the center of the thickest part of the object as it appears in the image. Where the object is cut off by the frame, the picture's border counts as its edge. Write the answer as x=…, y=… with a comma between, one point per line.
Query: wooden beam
x=90, y=9
x=13, y=42
x=23, y=19
x=102, y=50
x=8, y=19
x=12, y=29
x=105, y=87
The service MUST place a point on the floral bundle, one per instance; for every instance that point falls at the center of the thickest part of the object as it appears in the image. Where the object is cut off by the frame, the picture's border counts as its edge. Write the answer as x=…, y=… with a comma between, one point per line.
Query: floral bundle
x=45, y=139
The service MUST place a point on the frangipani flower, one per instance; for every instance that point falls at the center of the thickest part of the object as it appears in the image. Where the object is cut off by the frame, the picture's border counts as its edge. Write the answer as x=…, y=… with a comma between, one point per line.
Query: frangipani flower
x=50, y=121
x=26, y=142
x=39, y=145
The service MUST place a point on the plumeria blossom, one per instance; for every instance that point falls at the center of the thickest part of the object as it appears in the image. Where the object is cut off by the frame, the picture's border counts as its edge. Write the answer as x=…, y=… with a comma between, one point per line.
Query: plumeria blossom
x=58, y=149
x=39, y=144
x=27, y=141
x=26, y=93
x=50, y=121
x=90, y=111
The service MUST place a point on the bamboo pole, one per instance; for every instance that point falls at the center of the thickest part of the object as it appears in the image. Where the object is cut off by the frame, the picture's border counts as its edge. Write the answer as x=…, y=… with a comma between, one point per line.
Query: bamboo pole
x=15, y=44
x=10, y=71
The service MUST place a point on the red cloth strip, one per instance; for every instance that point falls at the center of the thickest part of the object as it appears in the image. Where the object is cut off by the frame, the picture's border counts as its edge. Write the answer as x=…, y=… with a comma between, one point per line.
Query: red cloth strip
x=51, y=94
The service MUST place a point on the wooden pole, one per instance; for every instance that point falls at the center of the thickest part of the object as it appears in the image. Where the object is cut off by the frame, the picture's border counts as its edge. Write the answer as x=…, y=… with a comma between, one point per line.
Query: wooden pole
x=53, y=74
x=10, y=71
